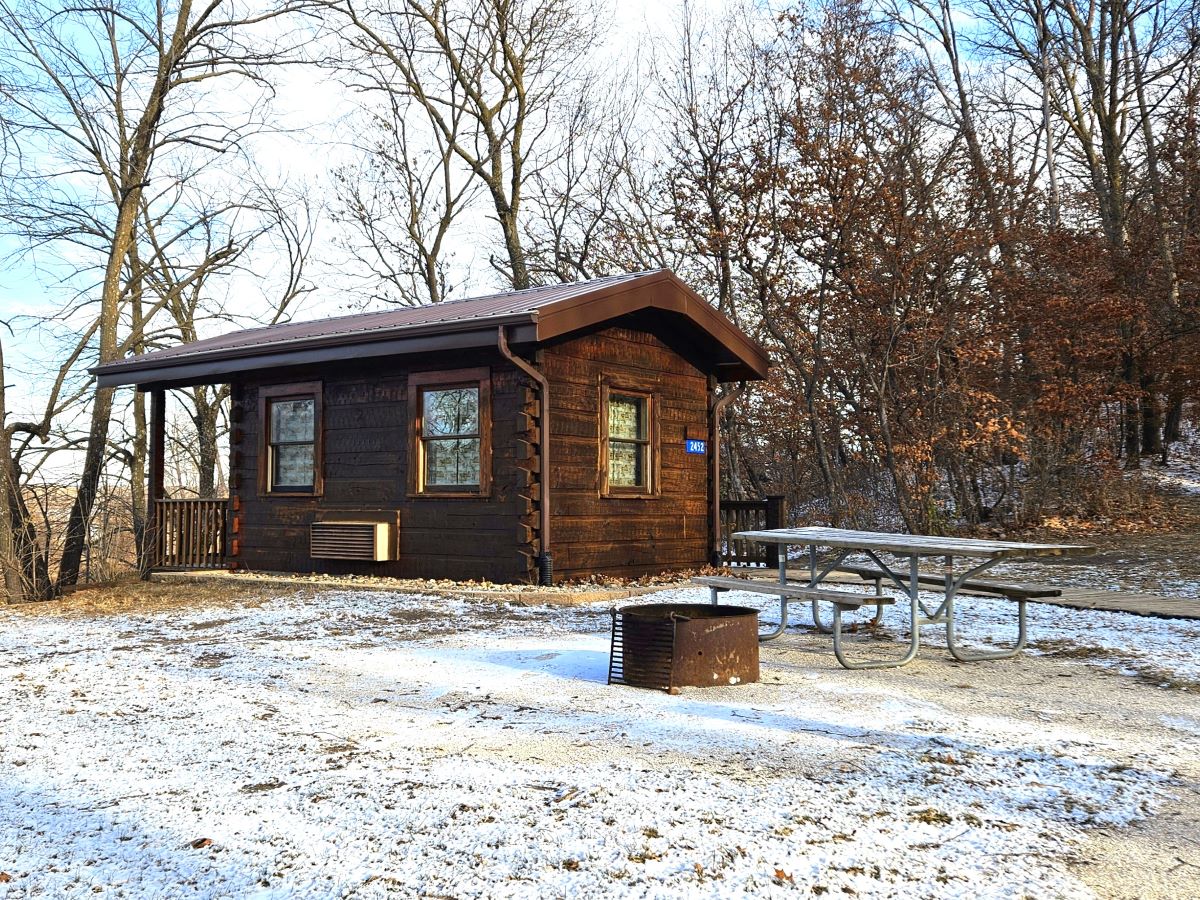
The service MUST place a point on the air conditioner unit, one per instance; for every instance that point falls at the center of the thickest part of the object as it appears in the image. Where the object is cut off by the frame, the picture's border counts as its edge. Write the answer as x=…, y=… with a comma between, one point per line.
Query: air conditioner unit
x=366, y=541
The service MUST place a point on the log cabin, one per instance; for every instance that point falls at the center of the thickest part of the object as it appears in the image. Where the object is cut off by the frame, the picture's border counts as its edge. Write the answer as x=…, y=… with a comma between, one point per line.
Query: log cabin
x=534, y=436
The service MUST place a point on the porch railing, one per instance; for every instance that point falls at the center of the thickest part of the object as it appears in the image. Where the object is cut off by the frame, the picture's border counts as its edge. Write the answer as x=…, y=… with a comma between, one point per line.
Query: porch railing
x=190, y=534
x=750, y=515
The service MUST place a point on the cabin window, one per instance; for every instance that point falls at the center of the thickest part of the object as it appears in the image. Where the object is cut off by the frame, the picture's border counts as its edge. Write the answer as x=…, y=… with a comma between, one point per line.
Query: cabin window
x=450, y=432
x=627, y=457
x=451, y=426
x=291, y=447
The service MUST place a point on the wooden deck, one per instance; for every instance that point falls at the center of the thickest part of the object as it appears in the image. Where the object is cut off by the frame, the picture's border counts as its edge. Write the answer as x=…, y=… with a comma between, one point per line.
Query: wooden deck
x=1139, y=604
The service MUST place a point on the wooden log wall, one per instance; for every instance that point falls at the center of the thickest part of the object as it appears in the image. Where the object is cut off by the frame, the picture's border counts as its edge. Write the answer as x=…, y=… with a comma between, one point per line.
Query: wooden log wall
x=528, y=477
x=625, y=536
x=366, y=457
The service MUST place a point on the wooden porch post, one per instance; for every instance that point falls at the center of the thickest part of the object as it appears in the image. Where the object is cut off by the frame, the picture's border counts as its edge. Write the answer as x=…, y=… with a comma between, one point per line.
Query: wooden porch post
x=776, y=518
x=154, y=493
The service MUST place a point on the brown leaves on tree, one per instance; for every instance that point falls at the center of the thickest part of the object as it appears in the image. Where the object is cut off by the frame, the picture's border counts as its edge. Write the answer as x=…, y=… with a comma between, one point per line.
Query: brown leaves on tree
x=945, y=346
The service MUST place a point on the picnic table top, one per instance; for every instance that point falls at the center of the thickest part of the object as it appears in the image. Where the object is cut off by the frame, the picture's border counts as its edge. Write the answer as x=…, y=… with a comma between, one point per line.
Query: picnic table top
x=912, y=544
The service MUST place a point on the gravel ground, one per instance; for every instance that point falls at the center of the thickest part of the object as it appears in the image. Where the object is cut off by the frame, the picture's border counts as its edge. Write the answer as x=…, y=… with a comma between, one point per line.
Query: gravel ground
x=358, y=744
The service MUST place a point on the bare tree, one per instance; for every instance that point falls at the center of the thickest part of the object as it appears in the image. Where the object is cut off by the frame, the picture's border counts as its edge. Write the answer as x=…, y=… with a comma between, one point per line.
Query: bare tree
x=212, y=245
x=1109, y=72
x=487, y=76
x=401, y=200
x=584, y=218
x=107, y=95
x=710, y=88
x=23, y=557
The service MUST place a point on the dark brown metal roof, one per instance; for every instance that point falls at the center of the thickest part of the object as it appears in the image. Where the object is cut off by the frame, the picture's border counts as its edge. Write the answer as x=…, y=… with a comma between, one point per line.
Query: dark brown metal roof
x=545, y=313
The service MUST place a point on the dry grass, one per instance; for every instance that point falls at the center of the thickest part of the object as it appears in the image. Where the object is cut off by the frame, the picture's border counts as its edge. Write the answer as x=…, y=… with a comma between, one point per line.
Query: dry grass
x=217, y=590
x=1145, y=672
x=1149, y=512
x=133, y=595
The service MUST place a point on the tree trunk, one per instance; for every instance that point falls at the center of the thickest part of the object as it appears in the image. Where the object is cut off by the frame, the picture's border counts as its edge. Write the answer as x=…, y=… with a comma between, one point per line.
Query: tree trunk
x=137, y=454
x=1173, y=424
x=1131, y=431
x=205, y=420
x=14, y=588
x=902, y=494
x=833, y=487
x=32, y=560
x=731, y=453
x=131, y=184
x=1151, y=415
x=506, y=212
x=89, y=484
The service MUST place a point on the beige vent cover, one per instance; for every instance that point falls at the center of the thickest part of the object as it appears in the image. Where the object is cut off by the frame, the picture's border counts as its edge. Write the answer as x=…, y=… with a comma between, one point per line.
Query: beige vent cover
x=369, y=541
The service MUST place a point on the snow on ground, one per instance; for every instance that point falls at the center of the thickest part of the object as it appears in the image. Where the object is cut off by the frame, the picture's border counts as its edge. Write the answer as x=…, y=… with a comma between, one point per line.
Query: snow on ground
x=1182, y=471
x=355, y=744
x=1159, y=650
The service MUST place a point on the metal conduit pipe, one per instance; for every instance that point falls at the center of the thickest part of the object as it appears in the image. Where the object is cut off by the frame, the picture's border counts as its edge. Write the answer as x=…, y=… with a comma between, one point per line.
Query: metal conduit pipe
x=717, y=405
x=545, y=559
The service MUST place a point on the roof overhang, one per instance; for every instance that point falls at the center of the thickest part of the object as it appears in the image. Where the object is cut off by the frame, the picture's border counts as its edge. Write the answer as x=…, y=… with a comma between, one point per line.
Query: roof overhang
x=730, y=354
x=217, y=367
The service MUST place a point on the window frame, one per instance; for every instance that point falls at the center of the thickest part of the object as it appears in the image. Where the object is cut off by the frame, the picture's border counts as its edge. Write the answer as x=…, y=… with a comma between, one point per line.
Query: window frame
x=418, y=384
x=650, y=489
x=268, y=394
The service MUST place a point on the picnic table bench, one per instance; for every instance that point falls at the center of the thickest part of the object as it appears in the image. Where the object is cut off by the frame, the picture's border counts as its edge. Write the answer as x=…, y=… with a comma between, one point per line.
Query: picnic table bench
x=982, y=585
x=849, y=602
x=912, y=548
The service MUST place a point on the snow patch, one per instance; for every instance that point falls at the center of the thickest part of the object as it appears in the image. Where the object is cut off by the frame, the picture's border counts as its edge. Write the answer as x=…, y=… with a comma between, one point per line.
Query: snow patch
x=355, y=744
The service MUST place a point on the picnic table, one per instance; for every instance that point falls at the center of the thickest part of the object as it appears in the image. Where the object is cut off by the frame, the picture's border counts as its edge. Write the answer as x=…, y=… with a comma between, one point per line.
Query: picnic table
x=910, y=548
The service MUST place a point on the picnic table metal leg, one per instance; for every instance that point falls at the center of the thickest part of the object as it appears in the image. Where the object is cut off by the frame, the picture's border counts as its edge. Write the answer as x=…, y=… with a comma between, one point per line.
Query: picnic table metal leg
x=815, y=578
x=914, y=614
x=783, y=601
x=878, y=606
x=963, y=656
x=816, y=617
x=914, y=646
x=966, y=656
x=783, y=622
x=912, y=587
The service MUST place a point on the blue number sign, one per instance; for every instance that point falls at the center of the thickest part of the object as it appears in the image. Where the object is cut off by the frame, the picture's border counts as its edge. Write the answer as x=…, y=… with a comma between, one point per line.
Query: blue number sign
x=694, y=446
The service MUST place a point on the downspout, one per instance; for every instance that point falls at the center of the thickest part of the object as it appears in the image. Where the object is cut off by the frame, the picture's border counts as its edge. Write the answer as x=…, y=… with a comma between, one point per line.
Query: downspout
x=545, y=559
x=716, y=407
